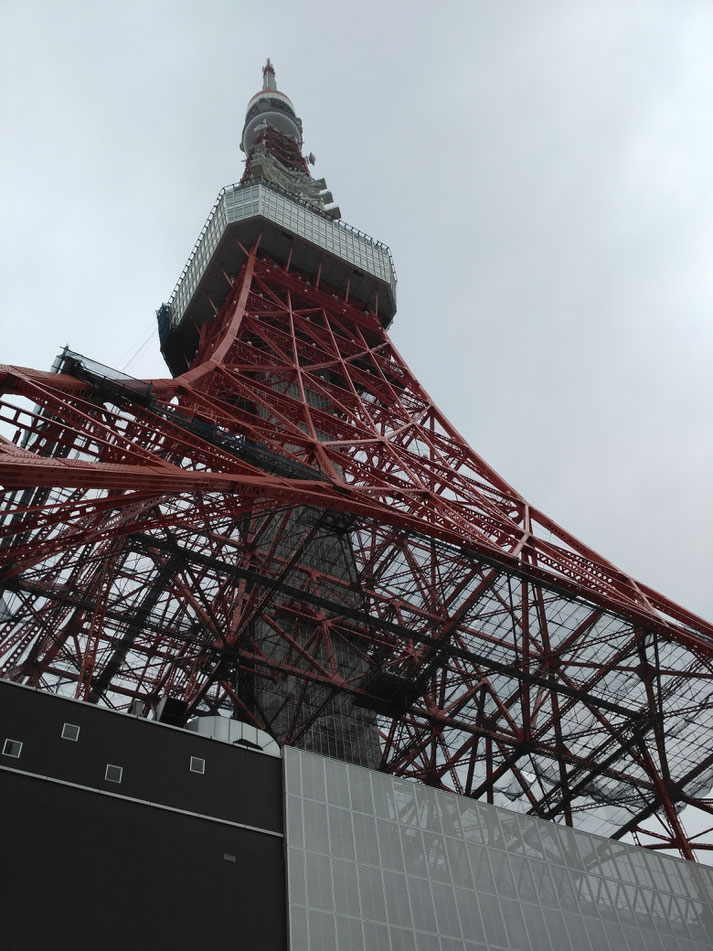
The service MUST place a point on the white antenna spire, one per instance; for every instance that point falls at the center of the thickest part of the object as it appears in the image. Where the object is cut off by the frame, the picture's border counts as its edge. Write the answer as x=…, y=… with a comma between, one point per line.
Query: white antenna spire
x=268, y=76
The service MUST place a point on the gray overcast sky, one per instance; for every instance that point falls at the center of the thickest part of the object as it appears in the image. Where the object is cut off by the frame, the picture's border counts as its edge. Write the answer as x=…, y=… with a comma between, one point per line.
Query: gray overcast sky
x=543, y=173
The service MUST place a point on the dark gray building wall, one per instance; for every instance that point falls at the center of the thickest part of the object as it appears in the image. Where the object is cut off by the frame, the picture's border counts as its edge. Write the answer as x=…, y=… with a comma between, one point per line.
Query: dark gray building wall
x=238, y=785
x=165, y=859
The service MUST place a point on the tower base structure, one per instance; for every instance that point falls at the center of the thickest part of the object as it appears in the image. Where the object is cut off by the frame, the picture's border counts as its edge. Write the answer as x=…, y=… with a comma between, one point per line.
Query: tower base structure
x=291, y=534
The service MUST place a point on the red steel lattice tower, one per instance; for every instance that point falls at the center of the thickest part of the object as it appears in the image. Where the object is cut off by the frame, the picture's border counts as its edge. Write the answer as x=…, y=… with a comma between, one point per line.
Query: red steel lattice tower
x=287, y=531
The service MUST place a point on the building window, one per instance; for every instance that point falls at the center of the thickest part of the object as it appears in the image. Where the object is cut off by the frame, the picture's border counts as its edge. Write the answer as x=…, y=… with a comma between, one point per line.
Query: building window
x=113, y=773
x=12, y=748
x=70, y=731
x=197, y=765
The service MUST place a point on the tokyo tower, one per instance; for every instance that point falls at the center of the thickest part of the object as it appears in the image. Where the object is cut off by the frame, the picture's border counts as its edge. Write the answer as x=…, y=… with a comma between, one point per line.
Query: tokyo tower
x=287, y=532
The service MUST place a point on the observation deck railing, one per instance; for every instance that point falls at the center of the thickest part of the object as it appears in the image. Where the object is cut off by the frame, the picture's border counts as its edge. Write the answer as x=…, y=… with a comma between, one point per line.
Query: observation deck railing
x=257, y=199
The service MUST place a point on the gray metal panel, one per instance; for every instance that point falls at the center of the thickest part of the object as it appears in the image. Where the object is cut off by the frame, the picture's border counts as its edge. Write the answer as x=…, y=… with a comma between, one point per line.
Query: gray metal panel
x=379, y=862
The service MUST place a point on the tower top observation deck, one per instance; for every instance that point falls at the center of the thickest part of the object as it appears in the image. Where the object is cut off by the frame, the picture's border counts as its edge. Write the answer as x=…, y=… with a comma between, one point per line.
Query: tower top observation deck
x=293, y=219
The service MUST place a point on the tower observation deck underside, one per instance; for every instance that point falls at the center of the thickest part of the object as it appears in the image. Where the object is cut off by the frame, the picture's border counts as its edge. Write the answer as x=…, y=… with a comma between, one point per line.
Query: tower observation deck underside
x=289, y=532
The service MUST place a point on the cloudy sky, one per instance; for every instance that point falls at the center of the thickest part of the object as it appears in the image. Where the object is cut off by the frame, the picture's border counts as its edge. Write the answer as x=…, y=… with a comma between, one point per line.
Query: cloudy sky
x=543, y=173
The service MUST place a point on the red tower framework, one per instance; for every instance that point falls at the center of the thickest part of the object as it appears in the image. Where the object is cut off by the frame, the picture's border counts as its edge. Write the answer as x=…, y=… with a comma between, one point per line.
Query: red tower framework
x=289, y=532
